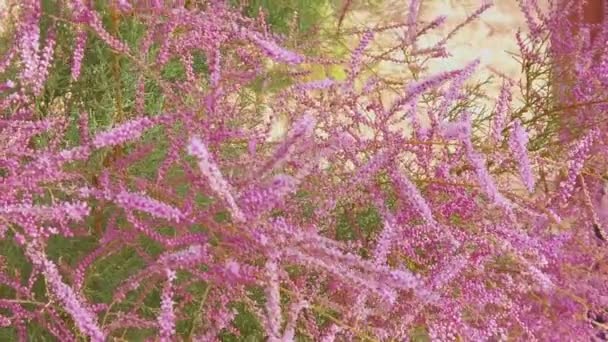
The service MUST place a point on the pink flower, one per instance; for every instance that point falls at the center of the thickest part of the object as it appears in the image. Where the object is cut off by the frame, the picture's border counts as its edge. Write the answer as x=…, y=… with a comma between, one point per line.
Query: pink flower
x=166, y=318
x=79, y=46
x=273, y=301
x=214, y=176
x=130, y=130
x=274, y=51
x=517, y=143
x=84, y=318
x=141, y=202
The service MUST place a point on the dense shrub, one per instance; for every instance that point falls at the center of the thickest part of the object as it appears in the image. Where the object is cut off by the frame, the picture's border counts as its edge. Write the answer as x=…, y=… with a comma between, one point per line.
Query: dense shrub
x=146, y=192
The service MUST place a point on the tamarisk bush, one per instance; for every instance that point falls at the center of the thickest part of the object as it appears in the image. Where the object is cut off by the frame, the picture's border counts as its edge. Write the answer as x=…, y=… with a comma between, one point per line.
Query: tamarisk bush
x=145, y=193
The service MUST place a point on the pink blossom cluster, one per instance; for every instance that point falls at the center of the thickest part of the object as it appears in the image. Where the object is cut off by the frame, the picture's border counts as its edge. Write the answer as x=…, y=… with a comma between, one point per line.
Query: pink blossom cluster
x=370, y=217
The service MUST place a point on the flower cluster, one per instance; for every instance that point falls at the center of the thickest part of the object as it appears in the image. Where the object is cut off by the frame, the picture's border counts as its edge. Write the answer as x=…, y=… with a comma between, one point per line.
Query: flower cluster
x=183, y=188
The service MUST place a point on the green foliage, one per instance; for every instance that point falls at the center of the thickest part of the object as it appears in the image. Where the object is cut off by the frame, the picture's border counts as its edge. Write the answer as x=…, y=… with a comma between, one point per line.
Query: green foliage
x=280, y=13
x=248, y=325
x=107, y=273
x=70, y=251
x=35, y=333
x=14, y=259
x=358, y=223
x=419, y=334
